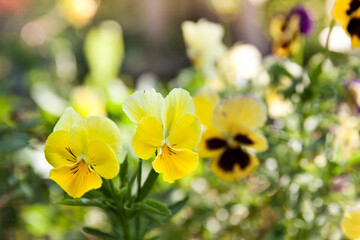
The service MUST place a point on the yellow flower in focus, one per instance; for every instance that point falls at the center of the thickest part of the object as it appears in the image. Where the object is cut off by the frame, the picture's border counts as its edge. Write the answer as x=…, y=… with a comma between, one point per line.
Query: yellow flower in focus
x=82, y=151
x=169, y=124
x=87, y=101
x=229, y=132
x=204, y=45
x=351, y=222
x=348, y=13
x=78, y=12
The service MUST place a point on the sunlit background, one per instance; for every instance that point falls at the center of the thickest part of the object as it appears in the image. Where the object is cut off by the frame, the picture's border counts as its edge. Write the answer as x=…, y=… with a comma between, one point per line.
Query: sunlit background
x=92, y=54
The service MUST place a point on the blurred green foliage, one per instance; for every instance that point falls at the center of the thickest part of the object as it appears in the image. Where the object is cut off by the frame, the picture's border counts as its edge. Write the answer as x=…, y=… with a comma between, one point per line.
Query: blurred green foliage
x=299, y=191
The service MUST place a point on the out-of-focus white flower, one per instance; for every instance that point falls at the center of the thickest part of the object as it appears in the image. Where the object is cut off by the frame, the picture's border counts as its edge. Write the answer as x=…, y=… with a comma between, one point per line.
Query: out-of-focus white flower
x=338, y=41
x=204, y=44
x=147, y=81
x=240, y=64
x=277, y=105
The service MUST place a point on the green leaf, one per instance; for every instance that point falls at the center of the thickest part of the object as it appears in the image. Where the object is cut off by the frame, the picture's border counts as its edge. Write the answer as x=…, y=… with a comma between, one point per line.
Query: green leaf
x=97, y=233
x=121, y=193
x=124, y=169
x=80, y=202
x=154, y=207
x=176, y=207
x=149, y=182
x=13, y=142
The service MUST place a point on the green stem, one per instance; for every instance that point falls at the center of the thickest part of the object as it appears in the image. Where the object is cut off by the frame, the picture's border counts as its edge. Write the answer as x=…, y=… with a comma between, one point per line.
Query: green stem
x=149, y=183
x=332, y=24
x=139, y=175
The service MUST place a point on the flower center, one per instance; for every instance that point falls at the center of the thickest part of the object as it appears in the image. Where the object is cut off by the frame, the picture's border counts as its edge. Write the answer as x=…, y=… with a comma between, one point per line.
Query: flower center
x=82, y=158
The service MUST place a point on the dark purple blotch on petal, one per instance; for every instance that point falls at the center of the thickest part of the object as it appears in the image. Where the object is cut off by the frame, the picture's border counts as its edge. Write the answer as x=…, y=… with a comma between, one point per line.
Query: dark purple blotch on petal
x=306, y=19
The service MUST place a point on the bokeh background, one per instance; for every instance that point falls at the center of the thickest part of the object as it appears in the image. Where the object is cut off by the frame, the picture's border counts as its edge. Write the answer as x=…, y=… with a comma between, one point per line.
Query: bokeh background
x=92, y=54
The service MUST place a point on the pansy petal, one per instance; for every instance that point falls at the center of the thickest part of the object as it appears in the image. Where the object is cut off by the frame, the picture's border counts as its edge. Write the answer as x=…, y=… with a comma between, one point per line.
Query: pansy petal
x=244, y=109
x=59, y=150
x=103, y=159
x=233, y=164
x=174, y=163
x=351, y=222
x=248, y=137
x=186, y=132
x=340, y=10
x=177, y=103
x=92, y=128
x=205, y=101
x=142, y=104
x=212, y=143
x=69, y=118
x=76, y=179
x=148, y=137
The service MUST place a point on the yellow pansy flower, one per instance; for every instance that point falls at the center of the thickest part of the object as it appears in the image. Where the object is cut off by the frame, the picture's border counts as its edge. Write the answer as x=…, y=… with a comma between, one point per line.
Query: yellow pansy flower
x=351, y=222
x=348, y=12
x=231, y=133
x=169, y=124
x=82, y=151
x=285, y=33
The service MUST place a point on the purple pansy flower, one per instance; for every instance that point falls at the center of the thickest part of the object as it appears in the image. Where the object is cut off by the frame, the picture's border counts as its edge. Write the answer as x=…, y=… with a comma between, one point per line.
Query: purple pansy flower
x=306, y=19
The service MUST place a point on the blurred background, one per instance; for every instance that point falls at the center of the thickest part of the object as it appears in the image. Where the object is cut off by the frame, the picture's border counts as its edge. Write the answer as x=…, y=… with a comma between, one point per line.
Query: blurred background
x=92, y=54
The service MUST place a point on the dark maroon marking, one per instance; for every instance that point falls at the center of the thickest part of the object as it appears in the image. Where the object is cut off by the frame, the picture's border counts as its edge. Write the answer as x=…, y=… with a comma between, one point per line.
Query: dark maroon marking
x=71, y=152
x=354, y=27
x=354, y=5
x=215, y=143
x=241, y=138
x=231, y=157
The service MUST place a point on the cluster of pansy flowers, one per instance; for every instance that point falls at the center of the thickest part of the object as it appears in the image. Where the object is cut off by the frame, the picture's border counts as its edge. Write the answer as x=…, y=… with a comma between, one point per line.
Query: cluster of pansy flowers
x=348, y=13
x=84, y=150
x=286, y=29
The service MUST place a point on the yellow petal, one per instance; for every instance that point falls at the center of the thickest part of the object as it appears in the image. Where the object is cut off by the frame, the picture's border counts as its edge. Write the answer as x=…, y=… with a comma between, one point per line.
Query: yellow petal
x=233, y=164
x=177, y=103
x=175, y=164
x=186, y=132
x=59, y=150
x=103, y=159
x=205, y=101
x=244, y=109
x=95, y=128
x=355, y=41
x=69, y=118
x=148, y=137
x=351, y=222
x=212, y=143
x=76, y=179
x=340, y=10
x=142, y=104
x=248, y=137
